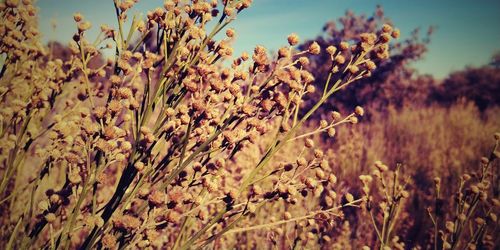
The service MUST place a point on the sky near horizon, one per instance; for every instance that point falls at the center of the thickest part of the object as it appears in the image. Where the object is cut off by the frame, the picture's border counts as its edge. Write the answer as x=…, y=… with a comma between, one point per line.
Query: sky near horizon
x=468, y=32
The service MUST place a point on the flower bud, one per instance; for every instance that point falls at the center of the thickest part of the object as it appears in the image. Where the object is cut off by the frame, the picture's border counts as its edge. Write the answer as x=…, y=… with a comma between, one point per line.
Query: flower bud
x=293, y=39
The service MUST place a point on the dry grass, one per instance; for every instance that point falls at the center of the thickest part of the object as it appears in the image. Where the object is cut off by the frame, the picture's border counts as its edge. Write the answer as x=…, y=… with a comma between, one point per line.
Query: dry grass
x=406, y=137
x=165, y=146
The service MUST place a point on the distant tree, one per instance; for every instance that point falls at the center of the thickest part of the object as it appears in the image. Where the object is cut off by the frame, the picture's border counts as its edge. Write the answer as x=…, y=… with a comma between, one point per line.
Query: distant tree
x=495, y=60
x=66, y=52
x=393, y=82
x=59, y=51
x=481, y=85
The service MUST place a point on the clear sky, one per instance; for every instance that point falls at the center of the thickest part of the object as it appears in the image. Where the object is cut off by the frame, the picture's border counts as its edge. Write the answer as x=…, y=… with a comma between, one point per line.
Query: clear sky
x=468, y=32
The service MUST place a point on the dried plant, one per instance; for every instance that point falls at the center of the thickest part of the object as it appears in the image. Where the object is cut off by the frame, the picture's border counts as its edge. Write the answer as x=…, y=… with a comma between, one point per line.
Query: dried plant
x=169, y=141
x=473, y=209
x=142, y=143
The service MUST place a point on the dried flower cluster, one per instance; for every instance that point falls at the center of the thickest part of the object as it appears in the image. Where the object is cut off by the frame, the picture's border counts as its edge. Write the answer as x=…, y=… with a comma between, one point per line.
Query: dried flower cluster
x=145, y=142
x=146, y=149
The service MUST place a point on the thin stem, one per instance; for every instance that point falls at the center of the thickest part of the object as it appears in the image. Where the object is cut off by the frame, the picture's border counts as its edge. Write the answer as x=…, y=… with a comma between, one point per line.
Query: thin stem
x=311, y=215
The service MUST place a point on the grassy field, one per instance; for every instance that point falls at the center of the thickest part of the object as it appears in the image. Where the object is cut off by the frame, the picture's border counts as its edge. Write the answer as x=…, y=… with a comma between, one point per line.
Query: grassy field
x=174, y=142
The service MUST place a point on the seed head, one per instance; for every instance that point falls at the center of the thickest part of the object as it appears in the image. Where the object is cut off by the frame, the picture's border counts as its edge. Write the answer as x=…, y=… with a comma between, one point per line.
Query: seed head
x=323, y=124
x=484, y=160
x=340, y=59
x=479, y=221
x=126, y=223
x=124, y=93
x=335, y=115
x=283, y=52
x=368, y=38
x=256, y=190
x=260, y=55
x=304, y=61
x=496, y=202
x=83, y=26
x=370, y=65
x=349, y=197
x=320, y=174
x=474, y=189
x=353, y=119
x=353, y=69
x=366, y=179
x=244, y=56
x=385, y=38
x=191, y=86
x=405, y=194
x=437, y=180
x=50, y=218
x=497, y=136
x=395, y=33
x=343, y=46
x=108, y=241
x=301, y=161
x=331, y=50
x=466, y=177
x=493, y=217
x=230, y=33
x=446, y=245
x=74, y=178
x=359, y=111
x=99, y=112
x=381, y=166
x=318, y=153
x=309, y=143
x=310, y=183
x=293, y=39
x=331, y=132
x=78, y=17
x=314, y=48
x=287, y=216
x=125, y=5
x=332, y=179
x=139, y=166
x=386, y=28
x=318, y=190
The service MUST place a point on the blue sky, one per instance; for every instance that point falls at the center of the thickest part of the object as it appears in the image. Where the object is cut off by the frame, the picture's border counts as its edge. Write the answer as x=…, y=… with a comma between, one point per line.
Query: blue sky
x=468, y=32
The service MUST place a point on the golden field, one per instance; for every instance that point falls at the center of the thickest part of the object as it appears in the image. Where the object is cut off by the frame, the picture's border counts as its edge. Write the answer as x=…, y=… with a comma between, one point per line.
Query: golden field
x=173, y=142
